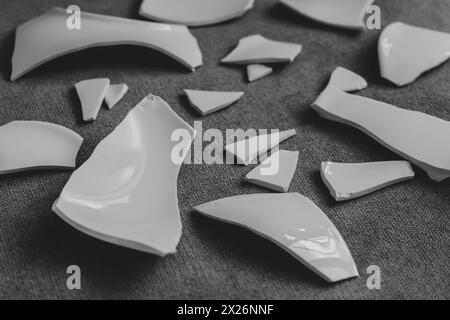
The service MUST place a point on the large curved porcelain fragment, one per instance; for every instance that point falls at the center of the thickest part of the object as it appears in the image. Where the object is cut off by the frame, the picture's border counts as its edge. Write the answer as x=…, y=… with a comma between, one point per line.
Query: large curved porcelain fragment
x=29, y=145
x=352, y=180
x=194, y=13
x=405, y=52
x=247, y=150
x=347, y=80
x=126, y=192
x=420, y=138
x=46, y=37
x=92, y=92
x=258, y=49
x=276, y=172
x=207, y=102
x=294, y=223
x=340, y=13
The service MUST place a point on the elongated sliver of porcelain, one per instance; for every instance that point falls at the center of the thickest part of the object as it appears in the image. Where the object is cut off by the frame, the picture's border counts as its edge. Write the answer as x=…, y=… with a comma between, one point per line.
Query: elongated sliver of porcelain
x=294, y=223
x=340, y=13
x=405, y=52
x=47, y=37
x=352, y=180
x=420, y=138
x=258, y=49
x=29, y=145
x=194, y=13
x=126, y=192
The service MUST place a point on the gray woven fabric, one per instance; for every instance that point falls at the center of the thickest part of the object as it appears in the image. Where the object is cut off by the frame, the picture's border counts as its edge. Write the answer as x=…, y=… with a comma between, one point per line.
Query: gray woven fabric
x=403, y=229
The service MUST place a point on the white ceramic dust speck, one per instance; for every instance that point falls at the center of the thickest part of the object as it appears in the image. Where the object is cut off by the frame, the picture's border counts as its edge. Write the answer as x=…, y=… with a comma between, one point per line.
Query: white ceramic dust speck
x=420, y=138
x=294, y=223
x=352, y=180
x=30, y=145
x=126, y=192
x=46, y=37
x=405, y=52
x=194, y=13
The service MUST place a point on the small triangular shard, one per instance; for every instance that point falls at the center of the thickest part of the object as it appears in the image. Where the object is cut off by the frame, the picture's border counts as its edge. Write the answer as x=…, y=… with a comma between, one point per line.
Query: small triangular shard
x=247, y=150
x=114, y=94
x=258, y=49
x=405, y=51
x=352, y=180
x=347, y=80
x=257, y=71
x=91, y=93
x=207, y=102
x=276, y=172
x=295, y=224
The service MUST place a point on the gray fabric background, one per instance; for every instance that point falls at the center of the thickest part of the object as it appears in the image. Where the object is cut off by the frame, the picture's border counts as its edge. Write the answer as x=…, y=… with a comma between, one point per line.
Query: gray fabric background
x=403, y=229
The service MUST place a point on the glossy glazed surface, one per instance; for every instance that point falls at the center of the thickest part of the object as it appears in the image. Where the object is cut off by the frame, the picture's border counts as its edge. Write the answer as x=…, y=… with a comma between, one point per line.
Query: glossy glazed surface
x=47, y=37
x=114, y=94
x=194, y=12
x=207, y=102
x=352, y=180
x=276, y=172
x=92, y=93
x=416, y=136
x=294, y=223
x=247, y=150
x=29, y=145
x=405, y=52
x=257, y=71
x=341, y=13
x=258, y=49
x=126, y=192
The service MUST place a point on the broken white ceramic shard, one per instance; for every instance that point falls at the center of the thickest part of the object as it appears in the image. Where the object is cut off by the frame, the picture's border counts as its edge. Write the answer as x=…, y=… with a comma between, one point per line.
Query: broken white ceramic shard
x=347, y=80
x=29, y=145
x=294, y=223
x=405, y=52
x=343, y=13
x=207, y=102
x=47, y=37
x=114, y=94
x=194, y=12
x=126, y=192
x=258, y=49
x=352, y=180
x=257, y=71
x=420, y=138
x=92, y=93
x=276, y=172
x=248, y=149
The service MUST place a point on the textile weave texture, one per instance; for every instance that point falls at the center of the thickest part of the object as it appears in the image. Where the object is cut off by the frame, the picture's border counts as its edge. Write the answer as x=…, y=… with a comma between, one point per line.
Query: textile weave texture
x=403, y=229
